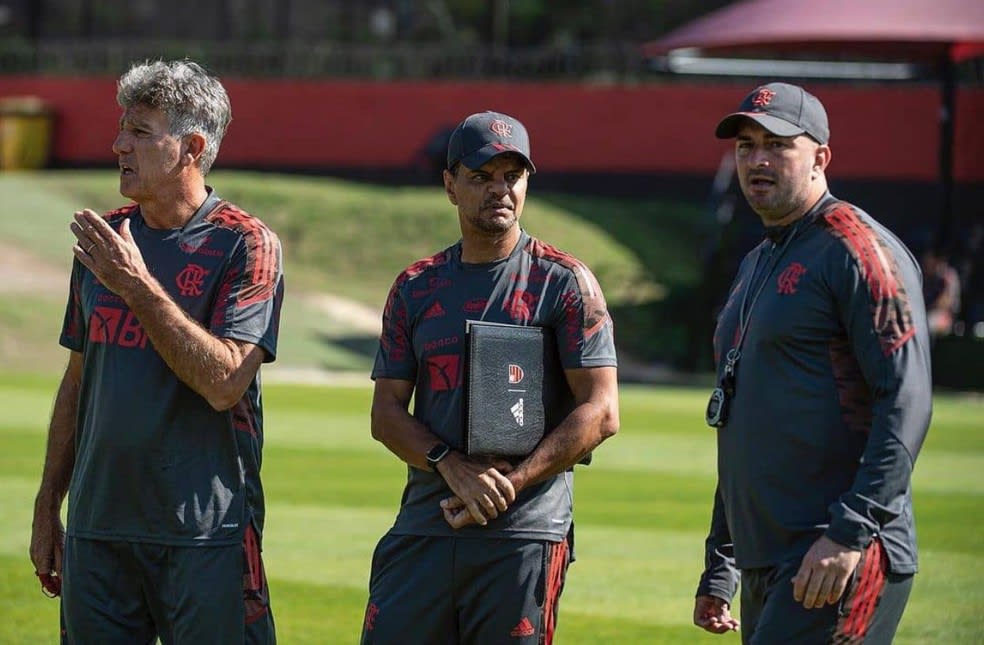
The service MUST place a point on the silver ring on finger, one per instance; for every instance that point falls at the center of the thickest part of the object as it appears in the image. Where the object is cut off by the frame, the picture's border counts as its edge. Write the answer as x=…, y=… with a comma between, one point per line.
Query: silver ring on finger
x=88, y=251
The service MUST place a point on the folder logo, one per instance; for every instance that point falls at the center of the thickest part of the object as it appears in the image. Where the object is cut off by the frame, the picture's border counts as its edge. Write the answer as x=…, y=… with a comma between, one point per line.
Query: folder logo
x=517, y=411
x=515, y=373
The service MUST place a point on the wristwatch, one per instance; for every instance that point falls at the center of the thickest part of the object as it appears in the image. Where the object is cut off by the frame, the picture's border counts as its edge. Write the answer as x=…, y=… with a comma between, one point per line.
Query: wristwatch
x=437, y=453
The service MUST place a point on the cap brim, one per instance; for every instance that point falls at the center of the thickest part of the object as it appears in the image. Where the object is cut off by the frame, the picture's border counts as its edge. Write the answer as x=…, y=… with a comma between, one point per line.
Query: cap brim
x=486, y=153
x=728, y=127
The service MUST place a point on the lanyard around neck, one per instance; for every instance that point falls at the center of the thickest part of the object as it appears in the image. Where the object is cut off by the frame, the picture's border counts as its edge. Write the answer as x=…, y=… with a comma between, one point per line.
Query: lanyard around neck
x=745, y=311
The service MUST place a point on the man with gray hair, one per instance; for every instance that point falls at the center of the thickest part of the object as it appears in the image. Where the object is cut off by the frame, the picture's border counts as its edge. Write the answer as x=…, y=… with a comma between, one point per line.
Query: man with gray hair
x=157, y=428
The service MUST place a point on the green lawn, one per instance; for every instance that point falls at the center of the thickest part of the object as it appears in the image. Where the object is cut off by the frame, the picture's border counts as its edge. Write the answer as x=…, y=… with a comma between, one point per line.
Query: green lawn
x=642, y=507
x=642, y=512
x=350, y=239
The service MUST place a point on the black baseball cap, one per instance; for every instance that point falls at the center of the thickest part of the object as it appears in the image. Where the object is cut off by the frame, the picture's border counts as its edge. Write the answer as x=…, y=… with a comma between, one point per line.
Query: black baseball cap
x=782, y=109
x=485, y=135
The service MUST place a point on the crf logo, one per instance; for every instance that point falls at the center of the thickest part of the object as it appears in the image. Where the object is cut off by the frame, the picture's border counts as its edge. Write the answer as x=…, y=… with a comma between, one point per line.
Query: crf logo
x=515, y=373
x=763, y=98
x=501, y=128
x=190, y=280
x=789, y=278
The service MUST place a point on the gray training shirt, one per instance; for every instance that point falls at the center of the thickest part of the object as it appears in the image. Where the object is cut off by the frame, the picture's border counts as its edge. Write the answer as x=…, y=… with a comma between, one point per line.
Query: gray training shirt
x=832, y=396
x=154, y=461
x=423, y=341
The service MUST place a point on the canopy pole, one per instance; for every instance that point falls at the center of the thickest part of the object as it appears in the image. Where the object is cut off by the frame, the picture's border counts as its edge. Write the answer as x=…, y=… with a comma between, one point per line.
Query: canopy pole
x=947, y=114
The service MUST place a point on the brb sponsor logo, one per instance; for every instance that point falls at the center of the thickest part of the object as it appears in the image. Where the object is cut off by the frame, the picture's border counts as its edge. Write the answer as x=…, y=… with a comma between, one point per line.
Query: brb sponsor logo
x=115, y=326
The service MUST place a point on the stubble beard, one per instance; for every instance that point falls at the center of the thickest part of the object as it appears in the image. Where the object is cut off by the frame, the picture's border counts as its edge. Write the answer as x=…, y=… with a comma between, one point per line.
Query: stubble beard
x=775, y=204
x=495, y=225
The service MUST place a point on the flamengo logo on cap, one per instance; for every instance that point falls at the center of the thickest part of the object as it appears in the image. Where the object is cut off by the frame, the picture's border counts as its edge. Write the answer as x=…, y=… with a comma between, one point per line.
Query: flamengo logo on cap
x=764, y=97
x=501, y=128
x=515, y=373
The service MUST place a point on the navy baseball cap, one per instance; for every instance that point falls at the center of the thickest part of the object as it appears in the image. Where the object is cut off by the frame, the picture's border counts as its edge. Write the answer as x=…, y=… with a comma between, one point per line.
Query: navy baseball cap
x=485, y=135
x=782, y=109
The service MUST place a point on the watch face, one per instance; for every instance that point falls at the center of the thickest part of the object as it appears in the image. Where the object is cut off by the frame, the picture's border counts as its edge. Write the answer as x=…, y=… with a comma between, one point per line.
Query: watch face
x=438, y=452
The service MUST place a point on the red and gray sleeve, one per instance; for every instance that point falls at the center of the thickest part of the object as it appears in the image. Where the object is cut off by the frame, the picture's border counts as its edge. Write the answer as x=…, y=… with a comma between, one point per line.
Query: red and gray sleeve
x=248, y=303
x=395, y=357
x=877, y=286
x=74, y=326
x=585, y=335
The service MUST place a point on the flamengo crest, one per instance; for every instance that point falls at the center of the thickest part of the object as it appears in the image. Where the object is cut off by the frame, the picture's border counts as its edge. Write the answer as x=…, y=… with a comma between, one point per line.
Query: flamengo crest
x=501, y=128
x=764, y=97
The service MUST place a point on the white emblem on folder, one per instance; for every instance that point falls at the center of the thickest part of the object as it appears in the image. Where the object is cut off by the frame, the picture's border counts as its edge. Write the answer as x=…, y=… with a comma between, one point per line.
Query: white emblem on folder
x=517, y=411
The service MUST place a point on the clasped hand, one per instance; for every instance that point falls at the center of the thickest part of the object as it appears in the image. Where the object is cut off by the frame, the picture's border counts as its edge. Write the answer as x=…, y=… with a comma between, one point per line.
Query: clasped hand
x=481, y=489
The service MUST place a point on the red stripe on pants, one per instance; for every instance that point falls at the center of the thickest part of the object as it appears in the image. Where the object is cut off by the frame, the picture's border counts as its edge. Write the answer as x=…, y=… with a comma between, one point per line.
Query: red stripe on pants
x=864, y=597
x=555, y=583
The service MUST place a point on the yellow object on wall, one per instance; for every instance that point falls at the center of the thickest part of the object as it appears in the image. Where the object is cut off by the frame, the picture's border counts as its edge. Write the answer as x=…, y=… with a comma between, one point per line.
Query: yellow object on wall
x=26, y=124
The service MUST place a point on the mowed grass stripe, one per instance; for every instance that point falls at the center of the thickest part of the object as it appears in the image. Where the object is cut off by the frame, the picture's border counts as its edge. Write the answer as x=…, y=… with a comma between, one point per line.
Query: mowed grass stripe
x=16, y=513
x=642, y=500
x=946, y=599
x=332, y=492
x=332, y=477
x=948, y=471
x=325, y=544
x=26, y=408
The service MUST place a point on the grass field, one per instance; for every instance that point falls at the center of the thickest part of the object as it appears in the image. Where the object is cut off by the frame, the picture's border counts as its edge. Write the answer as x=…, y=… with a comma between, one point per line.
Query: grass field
x=642, y=511
x=350, y=240
x=642, y=507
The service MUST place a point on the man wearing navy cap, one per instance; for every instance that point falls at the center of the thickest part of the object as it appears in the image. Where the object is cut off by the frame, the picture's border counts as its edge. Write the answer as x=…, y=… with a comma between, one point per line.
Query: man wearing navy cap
x=822, y=400
x=480, y=547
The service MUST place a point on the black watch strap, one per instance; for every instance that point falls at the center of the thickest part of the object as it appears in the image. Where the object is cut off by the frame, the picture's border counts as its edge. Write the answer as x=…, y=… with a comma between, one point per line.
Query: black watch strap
x=437, y=453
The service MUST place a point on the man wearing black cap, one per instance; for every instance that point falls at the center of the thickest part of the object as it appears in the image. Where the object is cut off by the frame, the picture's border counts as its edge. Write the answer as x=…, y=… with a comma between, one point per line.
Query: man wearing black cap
x=822, y=404
x=480, y=547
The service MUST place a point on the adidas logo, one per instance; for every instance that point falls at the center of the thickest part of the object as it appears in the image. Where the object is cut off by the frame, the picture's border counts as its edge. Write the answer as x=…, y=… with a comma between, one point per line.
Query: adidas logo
x=435, y=310
x=517, y=411
x=524, y=628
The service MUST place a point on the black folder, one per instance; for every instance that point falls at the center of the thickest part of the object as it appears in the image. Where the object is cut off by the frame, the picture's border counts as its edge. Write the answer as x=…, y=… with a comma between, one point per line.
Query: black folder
x=515, y=389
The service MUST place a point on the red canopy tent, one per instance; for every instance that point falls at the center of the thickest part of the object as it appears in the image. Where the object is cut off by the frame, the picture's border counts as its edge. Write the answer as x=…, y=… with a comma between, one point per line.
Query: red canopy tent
x=942, y=33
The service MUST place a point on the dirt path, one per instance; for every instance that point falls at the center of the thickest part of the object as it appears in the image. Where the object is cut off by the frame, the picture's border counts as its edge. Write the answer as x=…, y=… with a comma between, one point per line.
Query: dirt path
x=24, y=272
x=352, y=314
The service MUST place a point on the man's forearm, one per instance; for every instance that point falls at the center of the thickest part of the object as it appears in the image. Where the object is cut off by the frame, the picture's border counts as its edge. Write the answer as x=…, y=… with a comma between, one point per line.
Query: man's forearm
x=402, y=434
x=581, y=432
x=60, y=452
x=208, y=365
